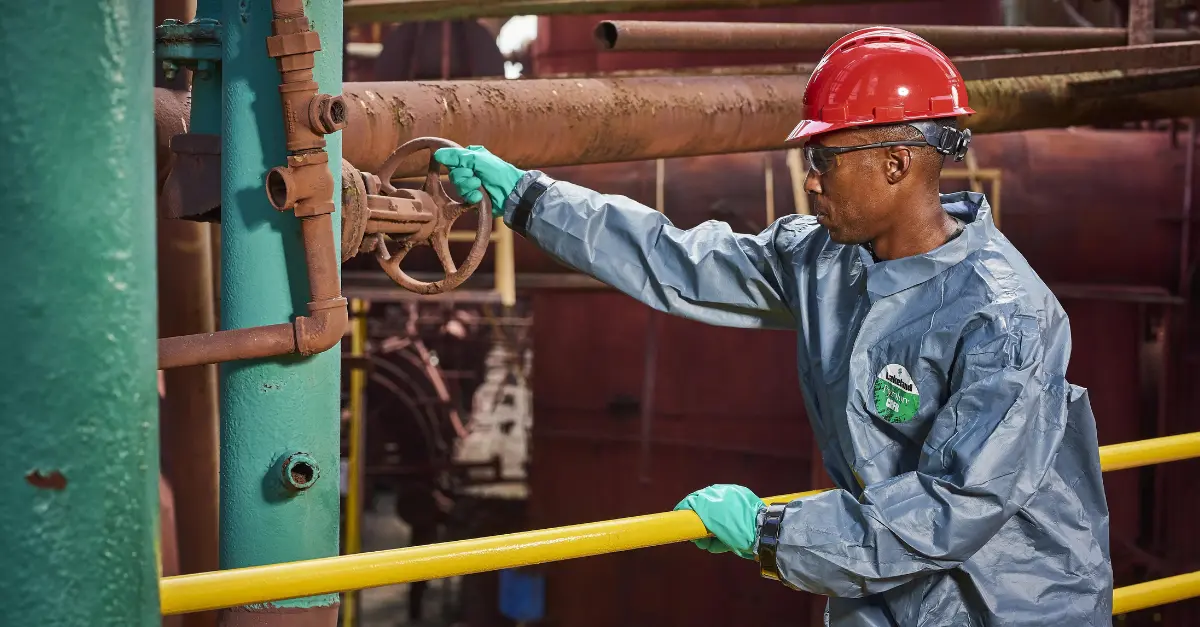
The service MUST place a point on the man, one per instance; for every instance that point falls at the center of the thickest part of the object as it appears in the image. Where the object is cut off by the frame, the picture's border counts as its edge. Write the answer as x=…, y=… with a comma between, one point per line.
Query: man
x=931, y=356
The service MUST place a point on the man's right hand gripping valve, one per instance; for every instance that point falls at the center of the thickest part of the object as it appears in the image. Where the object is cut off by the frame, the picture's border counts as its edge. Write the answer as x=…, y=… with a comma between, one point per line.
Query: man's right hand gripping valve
x=474, y=167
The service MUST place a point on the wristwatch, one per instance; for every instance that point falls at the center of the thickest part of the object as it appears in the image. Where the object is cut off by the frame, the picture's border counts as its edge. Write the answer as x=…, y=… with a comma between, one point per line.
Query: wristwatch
x=768, y=541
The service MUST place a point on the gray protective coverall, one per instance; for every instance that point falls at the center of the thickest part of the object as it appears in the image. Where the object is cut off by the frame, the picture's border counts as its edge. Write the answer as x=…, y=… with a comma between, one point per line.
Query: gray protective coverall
x=968, y=469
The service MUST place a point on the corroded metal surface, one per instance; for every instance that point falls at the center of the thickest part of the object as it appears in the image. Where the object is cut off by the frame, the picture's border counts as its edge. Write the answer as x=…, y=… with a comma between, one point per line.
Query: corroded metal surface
x=585, y=120
x=625, y=35
x=354, y=210
x=983, y=67
x=274, y=616
x=412, y=10
x=1169, y=55
x=1007, y=104
x=607, y=120
x=444, y=211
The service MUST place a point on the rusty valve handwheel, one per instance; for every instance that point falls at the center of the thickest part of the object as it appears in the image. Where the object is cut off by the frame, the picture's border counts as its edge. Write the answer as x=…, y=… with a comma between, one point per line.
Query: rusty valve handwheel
x=446, y=211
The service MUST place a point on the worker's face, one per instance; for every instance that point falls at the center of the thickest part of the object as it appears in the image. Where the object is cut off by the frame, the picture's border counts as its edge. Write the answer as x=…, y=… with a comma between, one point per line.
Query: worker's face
x=851, y=193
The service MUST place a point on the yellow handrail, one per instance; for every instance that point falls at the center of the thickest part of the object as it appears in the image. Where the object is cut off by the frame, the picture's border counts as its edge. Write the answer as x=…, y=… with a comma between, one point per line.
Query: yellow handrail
x=259, y=584
x=1171, y=448
x=1140, y=596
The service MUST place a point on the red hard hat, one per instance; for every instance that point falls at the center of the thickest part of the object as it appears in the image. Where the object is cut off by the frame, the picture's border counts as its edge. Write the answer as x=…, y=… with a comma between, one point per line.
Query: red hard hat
x=880, y=75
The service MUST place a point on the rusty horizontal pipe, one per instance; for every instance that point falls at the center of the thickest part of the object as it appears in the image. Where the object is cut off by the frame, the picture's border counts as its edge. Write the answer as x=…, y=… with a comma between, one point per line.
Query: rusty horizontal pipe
x=624, y=35
x=413, y=10
x=608, y=120
x=222, y=346
x=318, y=332
x=1158, y=56
x=1168, y=55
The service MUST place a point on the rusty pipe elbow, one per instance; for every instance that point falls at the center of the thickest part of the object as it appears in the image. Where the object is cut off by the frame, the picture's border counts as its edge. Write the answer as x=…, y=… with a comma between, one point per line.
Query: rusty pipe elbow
x=324, y=328
x=305, y=185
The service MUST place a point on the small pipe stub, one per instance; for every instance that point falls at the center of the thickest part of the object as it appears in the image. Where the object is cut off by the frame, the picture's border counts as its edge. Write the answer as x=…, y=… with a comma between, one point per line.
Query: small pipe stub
x=300, y=472
x=326, y=114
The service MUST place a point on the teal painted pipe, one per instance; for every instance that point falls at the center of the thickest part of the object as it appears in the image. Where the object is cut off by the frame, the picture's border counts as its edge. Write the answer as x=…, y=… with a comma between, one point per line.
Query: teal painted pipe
x=272, y=409
x=79, y=402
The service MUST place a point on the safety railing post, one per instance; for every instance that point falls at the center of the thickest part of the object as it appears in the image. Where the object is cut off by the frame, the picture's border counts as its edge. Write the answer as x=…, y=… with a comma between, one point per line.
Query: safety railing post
x=280, y=452
x=79, y=409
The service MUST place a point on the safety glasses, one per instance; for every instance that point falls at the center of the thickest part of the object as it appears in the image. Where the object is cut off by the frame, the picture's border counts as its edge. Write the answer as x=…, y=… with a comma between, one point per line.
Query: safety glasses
x=821, y=159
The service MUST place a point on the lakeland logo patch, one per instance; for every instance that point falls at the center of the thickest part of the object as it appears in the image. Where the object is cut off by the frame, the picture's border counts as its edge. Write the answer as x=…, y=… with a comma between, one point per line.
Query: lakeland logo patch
x=896, y=396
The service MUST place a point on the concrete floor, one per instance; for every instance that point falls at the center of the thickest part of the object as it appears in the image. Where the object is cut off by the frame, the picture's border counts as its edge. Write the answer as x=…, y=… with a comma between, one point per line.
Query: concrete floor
x=388, y=606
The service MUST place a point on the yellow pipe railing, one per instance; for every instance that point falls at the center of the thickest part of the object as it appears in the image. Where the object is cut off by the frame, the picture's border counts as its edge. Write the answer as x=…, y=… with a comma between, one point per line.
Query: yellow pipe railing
x=259, y=584
x=1140, y=596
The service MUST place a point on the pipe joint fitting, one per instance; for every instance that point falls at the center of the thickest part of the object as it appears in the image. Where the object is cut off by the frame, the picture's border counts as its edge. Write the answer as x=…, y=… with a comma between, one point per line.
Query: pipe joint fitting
x=324, y=328
x=300, y=472
x=327, y=114
x=292, y=43
x=304, y=185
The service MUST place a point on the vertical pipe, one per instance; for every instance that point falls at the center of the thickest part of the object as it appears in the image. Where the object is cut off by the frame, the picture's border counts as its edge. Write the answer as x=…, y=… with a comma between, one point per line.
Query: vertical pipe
x=506, y=267
x=1141, y=22
x=354, y=487
x=78, y=413
x=189, y=424
x=1189, y=184
x=272, y=409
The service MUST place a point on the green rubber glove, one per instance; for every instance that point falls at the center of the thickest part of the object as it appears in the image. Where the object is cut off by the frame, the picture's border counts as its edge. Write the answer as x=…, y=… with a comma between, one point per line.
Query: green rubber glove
x=474, y=167
x=729, y=512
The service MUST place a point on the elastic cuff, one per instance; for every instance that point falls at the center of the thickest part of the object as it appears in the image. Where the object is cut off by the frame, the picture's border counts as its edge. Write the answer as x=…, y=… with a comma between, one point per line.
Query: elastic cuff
x=767, y=547
x=758, y=524
x=518, y=207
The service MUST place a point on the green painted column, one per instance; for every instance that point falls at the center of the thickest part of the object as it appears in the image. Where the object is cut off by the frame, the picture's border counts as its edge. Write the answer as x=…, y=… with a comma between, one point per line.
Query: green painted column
x=274, y=409
x=78, y=398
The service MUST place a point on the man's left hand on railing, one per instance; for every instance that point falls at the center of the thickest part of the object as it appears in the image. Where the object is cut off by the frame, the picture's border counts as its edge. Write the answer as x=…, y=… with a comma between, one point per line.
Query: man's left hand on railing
x=730, y=513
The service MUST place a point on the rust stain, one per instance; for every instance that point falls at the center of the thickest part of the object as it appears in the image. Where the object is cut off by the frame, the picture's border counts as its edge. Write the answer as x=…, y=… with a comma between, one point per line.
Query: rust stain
x=53, y=480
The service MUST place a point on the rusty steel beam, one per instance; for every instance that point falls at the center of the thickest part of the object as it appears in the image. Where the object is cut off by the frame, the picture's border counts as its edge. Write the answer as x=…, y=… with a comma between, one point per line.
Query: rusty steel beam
x=625, y=35
x=606, y=120
x=1169, y=55
x=1158, y=56
x=412, y=10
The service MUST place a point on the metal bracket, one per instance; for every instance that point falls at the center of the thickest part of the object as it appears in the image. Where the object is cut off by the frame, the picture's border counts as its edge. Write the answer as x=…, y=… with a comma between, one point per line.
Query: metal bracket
x=195, y=45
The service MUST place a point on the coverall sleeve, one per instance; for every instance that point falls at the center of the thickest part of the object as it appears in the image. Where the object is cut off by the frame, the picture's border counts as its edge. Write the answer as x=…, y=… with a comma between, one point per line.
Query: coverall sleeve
x=987, y=453
x=707, y=273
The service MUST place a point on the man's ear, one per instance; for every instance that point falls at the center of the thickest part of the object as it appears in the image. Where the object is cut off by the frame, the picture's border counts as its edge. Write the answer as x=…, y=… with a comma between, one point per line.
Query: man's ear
x=897, y=164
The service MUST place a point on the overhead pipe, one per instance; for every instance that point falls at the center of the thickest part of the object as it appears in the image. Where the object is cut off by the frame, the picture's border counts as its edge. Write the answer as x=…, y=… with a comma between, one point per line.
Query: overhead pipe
x=607, y=120
x=984, y=67
x=626, y=35
x=633, y=119
x=189, y=593
x=306, y=186
x=414, y=10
